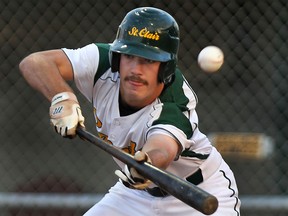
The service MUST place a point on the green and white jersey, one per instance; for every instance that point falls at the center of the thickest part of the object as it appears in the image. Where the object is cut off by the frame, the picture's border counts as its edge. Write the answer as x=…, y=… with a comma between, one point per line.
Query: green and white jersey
x=173, y=113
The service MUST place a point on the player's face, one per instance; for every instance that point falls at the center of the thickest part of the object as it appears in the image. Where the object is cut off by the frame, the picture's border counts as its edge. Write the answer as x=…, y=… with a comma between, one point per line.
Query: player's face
x=139, y=84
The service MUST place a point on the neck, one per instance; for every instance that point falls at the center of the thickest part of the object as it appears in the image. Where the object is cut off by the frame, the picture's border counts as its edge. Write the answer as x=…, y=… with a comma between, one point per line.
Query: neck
x=125, y=109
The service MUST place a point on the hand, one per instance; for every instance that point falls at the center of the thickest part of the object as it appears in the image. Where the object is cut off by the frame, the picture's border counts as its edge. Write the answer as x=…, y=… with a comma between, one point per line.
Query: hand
x=65, y=114
x=130, y=177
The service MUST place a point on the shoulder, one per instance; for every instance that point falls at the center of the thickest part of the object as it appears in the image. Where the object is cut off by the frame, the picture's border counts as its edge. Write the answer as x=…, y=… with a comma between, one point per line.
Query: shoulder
x=83, y=59
x=90, y=51
x=180, y=92
x=177, y=101
x=170, y=114
x=92, y=58
x=104, y=59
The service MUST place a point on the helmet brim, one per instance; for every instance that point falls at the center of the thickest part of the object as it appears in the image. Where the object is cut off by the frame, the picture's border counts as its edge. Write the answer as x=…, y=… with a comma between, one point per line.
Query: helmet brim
x=140, y=50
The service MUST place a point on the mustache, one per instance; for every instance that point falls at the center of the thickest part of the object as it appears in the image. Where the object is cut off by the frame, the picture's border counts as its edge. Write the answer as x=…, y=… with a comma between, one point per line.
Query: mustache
x=136, y=78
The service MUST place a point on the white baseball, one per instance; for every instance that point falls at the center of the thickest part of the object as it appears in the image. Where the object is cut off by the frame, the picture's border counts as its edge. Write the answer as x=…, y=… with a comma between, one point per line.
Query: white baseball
x=210, y=59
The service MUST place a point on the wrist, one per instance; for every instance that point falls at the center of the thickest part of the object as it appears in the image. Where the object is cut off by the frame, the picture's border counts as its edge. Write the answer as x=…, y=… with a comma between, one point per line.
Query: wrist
x=63, y=96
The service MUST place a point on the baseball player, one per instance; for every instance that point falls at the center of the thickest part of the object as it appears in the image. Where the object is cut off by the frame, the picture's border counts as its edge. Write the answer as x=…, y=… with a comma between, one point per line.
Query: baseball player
x=143, y=105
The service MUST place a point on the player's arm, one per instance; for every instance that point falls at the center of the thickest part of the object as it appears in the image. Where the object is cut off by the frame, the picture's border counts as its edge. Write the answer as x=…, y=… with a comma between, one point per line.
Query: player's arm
x=159, y=150
x=47, y=72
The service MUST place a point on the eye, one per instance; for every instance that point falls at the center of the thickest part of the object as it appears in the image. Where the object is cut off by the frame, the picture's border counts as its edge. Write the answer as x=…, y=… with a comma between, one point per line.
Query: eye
x=128, y=56
x=149, y=61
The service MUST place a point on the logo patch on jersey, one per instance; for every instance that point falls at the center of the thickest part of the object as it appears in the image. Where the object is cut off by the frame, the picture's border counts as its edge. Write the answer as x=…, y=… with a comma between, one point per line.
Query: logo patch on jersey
x=144, y=33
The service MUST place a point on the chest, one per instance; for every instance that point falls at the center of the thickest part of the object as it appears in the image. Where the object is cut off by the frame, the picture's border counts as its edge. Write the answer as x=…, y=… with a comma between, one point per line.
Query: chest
x=126, y=132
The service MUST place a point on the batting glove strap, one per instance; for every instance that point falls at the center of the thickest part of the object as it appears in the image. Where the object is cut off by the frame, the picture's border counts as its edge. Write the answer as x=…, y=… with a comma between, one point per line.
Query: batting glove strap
x=65, y=114
x=63, y=96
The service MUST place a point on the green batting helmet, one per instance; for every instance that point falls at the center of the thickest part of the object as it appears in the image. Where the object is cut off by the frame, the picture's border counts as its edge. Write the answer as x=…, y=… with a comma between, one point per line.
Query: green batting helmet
x=149, y=33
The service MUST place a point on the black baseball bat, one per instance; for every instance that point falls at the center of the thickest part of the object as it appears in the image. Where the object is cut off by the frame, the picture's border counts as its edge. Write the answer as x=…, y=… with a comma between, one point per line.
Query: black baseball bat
x=175, y=186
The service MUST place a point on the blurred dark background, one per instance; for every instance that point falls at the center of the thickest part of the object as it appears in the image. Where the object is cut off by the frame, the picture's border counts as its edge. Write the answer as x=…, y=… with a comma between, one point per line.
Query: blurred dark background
x=248, y=94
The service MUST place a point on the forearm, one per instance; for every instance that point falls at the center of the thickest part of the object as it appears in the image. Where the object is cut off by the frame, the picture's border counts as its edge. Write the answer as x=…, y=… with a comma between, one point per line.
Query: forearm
x=43, y=74
x=162, y=150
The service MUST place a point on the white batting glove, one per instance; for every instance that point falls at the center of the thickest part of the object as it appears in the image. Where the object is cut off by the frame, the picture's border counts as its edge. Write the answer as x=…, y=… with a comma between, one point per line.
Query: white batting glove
x=130, y=177
x=65, y=114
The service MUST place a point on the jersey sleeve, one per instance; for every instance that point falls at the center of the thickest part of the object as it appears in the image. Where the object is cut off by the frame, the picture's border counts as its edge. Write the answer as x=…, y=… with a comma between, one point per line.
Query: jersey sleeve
x=173, y=132
x=180, y=93
x=174, y=115
x=85, y=62
x=173, y=122
x=178, y=102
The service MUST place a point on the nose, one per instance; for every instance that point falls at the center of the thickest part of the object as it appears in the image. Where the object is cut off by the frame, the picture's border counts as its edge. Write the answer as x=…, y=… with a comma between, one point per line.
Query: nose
x=137, y=65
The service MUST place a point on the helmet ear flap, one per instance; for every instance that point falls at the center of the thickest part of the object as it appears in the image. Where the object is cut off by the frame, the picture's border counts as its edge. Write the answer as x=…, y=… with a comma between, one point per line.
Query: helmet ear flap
x=166, y=72
x=114, y=61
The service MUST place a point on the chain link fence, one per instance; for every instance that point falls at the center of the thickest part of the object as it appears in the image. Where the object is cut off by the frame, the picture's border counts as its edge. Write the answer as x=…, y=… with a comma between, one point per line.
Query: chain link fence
x=248, y=95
